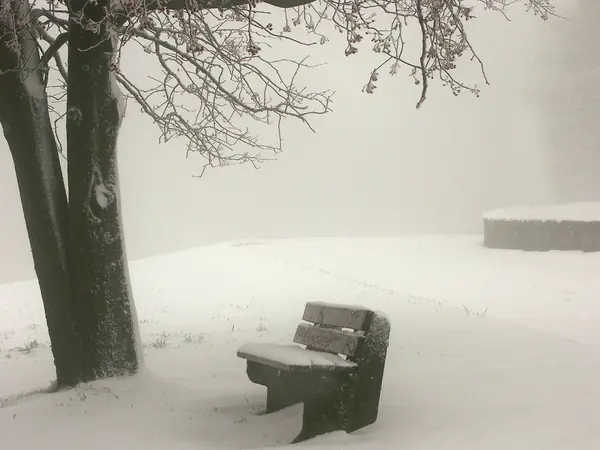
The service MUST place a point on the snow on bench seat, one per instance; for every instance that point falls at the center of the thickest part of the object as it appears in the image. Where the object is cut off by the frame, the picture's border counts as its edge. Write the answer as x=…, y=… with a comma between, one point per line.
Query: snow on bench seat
x=288, y=357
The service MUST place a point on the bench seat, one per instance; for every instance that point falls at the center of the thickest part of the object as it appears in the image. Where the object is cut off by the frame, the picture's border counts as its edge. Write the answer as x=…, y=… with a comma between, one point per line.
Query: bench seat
x=294, y=358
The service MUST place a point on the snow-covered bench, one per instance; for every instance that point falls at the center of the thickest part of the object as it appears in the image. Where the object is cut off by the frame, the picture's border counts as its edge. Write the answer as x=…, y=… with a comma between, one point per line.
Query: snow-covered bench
x=337, y=375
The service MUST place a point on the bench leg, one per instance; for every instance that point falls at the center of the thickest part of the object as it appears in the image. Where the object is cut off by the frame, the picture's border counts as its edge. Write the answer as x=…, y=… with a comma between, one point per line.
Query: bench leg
x=322, y=414
x=279, y=397
x=280, y=387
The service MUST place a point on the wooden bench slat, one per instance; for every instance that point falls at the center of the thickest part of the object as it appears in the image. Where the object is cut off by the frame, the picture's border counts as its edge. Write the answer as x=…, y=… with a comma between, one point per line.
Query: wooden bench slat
x=290, y=357
x=330, y=314
x=328, y=339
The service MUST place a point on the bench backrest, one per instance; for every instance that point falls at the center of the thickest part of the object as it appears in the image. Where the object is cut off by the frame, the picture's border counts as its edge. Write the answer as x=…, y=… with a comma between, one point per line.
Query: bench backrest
x=335, y=329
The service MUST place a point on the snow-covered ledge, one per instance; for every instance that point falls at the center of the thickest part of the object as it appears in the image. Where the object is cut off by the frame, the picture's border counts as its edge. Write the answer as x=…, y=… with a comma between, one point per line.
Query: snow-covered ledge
x=574, y=226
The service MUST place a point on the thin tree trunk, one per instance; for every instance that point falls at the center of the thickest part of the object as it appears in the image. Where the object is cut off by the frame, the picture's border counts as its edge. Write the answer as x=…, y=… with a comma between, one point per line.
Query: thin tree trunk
x=26, y=124
x=99, y=276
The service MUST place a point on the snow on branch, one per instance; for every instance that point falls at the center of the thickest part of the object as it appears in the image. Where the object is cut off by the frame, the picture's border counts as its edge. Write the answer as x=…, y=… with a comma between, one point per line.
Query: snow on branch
x=212, y=81
x=216, y=4
x=215, y=70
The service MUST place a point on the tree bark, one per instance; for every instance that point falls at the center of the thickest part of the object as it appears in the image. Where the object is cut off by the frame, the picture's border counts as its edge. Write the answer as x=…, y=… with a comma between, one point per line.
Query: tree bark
x=26, y=124
x=99, y=275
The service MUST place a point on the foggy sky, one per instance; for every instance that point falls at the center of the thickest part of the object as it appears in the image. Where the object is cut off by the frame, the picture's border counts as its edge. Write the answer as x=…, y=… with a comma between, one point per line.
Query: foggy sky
x=375, y=166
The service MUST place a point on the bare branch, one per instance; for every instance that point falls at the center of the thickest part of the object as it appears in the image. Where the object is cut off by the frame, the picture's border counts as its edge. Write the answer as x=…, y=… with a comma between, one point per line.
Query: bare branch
x=219, y=4
x=422, y=58
x=216, y=69
x=55, y=45
x=53, y=51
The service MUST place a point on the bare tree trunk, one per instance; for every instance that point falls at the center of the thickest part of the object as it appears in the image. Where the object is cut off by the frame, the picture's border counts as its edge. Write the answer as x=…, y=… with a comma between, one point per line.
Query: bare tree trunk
x=28, y=131
x=99, y=274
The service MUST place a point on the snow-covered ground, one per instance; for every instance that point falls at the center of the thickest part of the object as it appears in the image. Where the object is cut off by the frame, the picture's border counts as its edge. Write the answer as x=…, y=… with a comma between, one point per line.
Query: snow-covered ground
x=489, y=350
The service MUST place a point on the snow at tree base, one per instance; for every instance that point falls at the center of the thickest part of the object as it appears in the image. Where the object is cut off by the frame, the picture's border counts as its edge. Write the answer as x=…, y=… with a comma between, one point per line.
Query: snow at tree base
x=489, y=349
